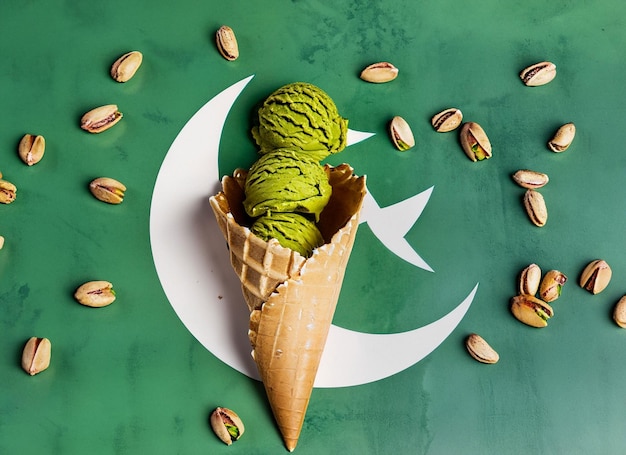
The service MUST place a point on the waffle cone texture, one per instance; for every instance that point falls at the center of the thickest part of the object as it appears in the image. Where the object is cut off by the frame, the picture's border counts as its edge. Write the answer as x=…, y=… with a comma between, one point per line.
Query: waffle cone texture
x=291, y=299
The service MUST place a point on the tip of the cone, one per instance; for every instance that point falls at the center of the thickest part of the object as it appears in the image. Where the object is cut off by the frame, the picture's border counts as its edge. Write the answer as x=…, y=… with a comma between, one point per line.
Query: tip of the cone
x=291, y=444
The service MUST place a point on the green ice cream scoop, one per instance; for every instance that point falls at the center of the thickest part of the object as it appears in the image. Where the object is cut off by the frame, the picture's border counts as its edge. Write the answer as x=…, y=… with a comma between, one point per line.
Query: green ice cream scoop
x=302, y=117
x=292, y=230
x=285, y=181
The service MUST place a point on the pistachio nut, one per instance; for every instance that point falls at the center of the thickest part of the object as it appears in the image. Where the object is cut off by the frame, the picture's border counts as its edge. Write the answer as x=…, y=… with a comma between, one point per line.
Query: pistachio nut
x=95, y=294
x=379, y=73
x=480, y=350
x=447, y=120
x=538, y=74
x=529, y=280
x=107, y=190
x=125, y=67
x=7, y=192
x=596, y=276
x=101, y=118
x=562, y=138
x=227, y=425
x=535, y=206
x=551, y=285
x=1, y=242
x=475, y=142
x=36, y=355
x=619, y=313
x=401, y=134
x=531, y=311
x=31, y=148
x=227, y=43
x=530, y=179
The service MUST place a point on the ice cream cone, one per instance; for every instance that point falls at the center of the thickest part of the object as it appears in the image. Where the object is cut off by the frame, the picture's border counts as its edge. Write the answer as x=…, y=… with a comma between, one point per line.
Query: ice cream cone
x=292, y=299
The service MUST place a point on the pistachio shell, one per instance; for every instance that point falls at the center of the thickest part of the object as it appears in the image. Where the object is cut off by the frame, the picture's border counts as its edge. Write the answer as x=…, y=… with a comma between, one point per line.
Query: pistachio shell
x=551, y=285
x=529, y=280
x=530, y=179
x=475, y=142
x=538, y=74
x=107, y=190
x=7, y=192
x=531, y=310
x=36, y=355
x=480, y=350
x=562, y=138
x=227, y=43
x=535, y=206
x=125, y=67
x=227, y=425
x=379, y=73
x=596, y=276
x=101, y=118
x=95, y=294
x=447, y=120
x=31, y=148
x=401, y=134
x=619, y=313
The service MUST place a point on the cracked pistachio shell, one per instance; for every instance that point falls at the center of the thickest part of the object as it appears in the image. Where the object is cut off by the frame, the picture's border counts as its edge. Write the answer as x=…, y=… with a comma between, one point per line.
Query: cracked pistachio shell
x=401, y=134
x=227, y=43
x=101, y=118
x=7, y=192
x=538, y=74
x=535, y=206
x=619, y=312
x=475, y=142
x=447, y=120
x=379, y=73
x=36, y=355
x=480, y=350
x=596, y=276
x=107, y=190
x=529, y=280
x=531, y=311
x=1, y=242
x=530, y=179
x=227, y=425
x=125, y=67
x=562, y=138
x=95, y=294
x=31, y=149
x=551, y=285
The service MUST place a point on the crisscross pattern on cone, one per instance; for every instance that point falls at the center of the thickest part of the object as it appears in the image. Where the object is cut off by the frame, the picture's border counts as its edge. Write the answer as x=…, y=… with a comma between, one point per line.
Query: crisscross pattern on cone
x=290, y=324
x=261, y=266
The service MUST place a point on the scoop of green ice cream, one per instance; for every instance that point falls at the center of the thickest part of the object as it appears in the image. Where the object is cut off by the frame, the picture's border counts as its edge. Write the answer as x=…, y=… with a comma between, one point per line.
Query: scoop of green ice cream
x=292, y=230
x=285, y=181
x=302, y=117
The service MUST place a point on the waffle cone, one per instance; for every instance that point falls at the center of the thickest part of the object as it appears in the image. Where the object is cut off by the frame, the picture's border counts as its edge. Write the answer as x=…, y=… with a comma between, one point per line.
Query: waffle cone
x=291, y=299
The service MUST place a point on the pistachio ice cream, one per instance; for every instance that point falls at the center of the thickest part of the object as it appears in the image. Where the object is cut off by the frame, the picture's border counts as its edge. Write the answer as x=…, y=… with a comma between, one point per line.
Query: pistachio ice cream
x=302, y=117
x=286, y=181
x=292, y=230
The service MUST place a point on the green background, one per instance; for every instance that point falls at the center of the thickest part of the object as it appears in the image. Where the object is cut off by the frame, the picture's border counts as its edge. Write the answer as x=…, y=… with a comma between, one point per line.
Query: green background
x=131, y=379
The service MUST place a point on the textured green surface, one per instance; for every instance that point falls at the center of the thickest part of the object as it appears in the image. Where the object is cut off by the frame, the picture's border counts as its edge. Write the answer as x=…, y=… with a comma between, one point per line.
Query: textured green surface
x=130, y=378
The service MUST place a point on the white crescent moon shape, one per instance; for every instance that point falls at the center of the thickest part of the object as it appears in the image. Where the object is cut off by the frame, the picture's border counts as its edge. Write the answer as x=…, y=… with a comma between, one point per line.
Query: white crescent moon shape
x=193, y=266
x=349, y=356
